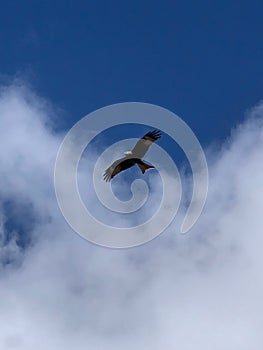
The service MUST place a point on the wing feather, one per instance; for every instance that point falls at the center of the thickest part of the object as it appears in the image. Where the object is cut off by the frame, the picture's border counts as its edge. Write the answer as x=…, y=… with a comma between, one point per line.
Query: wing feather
x=145, y=142
x=117, y=167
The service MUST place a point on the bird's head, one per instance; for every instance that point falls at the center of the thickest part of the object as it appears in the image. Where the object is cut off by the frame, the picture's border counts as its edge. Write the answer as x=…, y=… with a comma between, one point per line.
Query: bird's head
x=128, y=153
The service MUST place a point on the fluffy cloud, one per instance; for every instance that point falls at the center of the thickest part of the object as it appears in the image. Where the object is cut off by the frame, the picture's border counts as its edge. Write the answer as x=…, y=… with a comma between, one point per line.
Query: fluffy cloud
x=198, y=291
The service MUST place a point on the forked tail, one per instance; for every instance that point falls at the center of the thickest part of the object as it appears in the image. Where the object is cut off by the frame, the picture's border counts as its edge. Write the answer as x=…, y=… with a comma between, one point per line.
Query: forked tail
x=143, y=166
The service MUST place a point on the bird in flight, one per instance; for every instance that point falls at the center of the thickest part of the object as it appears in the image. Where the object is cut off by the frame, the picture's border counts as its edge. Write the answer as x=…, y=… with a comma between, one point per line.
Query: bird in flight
x=134, y=156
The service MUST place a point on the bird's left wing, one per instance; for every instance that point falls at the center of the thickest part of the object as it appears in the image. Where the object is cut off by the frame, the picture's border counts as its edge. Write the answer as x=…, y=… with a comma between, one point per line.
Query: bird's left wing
x=114, y=169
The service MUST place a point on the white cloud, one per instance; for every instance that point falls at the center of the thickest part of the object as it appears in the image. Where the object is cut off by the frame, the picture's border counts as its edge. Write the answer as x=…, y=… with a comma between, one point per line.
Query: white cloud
x=199, y=291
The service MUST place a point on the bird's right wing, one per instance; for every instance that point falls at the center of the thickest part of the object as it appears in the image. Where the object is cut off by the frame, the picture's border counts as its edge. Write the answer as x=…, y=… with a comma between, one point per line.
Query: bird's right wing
x=145, y=142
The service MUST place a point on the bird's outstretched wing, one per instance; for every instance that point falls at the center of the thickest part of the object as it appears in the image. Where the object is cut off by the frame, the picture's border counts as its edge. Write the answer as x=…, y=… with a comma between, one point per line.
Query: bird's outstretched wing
x=118, y=166
x=144, y=143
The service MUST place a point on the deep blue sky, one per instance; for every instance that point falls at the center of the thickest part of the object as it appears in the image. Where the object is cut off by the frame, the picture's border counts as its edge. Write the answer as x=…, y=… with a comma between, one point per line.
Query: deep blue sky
x=200, y=59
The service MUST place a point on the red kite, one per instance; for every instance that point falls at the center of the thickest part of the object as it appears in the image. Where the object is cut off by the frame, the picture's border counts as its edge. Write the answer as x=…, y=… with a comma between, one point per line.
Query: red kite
x=133, y=157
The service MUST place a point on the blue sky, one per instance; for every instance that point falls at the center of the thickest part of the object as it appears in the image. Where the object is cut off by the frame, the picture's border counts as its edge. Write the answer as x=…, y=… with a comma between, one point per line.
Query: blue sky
x=202, y=60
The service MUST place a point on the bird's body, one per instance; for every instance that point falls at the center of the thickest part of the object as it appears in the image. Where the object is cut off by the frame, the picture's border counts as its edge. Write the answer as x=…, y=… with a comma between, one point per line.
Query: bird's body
x=133, y=157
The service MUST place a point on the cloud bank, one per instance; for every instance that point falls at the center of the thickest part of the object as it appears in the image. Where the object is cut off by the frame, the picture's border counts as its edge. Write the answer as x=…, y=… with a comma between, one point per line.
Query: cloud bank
x=198, y=291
